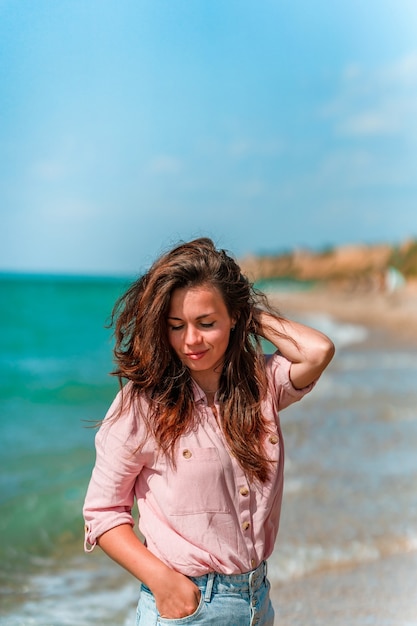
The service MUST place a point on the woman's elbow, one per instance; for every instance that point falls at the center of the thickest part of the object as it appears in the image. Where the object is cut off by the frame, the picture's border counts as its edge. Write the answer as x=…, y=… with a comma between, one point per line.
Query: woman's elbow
x=310, y=369
x=323, y=352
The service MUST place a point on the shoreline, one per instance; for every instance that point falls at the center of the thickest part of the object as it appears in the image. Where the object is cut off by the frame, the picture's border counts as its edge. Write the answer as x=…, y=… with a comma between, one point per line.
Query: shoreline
x=394, y=312
x=380, y=592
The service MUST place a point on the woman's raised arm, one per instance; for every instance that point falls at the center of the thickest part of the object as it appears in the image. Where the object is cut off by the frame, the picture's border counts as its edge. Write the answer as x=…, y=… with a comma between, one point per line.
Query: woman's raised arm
x=309, y=350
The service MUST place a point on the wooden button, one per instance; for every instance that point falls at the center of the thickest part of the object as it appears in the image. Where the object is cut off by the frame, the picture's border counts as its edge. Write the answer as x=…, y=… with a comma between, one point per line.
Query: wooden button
x=273, y=439
x=187, y=454
x=243, y=491
x=253, y=563
x=245, y=525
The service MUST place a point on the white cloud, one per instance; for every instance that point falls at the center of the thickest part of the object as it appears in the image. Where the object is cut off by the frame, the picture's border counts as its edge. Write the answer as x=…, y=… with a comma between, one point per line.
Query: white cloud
x=369, y=123
x=64, y=211
x=239, y=149
x=403, y=72
x=244, y=148
x=165, y=164
x=49, y=170
x=377, y=102
x=61, y=158
x=252, y=188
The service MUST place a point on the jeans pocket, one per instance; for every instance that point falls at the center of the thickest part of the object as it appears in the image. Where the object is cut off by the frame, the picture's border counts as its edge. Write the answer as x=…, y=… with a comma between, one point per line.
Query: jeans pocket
x=194, y=618
x=146, y=613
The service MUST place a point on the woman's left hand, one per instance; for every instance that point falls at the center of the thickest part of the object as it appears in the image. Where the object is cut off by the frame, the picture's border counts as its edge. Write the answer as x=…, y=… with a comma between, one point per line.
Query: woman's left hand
x=309, y=350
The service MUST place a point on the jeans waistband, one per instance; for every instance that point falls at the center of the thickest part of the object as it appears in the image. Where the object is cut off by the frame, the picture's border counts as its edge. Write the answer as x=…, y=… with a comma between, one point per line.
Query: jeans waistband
x=247, y=583
x=213, y=582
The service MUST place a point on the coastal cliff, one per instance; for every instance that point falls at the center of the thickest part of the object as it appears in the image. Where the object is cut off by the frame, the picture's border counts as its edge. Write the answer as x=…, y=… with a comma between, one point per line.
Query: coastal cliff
x=349, y=266
x=373, y=285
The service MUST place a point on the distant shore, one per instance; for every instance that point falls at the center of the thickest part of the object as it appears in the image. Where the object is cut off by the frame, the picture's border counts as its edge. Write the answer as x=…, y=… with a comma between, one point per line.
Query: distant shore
x=394, y=312
x=357, y=265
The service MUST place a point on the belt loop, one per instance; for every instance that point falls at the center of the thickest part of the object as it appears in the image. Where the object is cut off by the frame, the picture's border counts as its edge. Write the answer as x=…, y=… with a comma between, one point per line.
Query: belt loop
x=209, y=586
x=251, y=577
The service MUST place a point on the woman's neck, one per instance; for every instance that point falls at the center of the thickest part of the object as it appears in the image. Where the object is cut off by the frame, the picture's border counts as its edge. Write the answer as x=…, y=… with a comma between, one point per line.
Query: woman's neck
x=208, y=384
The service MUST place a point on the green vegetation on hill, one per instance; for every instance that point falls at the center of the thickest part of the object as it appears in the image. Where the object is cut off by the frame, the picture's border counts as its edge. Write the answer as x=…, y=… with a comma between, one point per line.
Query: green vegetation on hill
x=404, y=259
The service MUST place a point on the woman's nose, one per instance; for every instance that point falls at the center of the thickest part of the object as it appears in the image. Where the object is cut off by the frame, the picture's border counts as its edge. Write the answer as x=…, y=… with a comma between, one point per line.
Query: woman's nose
x=192, y=336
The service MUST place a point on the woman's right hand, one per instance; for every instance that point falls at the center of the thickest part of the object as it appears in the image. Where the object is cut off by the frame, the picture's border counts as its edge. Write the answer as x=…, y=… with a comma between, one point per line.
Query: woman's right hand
x=176, y=596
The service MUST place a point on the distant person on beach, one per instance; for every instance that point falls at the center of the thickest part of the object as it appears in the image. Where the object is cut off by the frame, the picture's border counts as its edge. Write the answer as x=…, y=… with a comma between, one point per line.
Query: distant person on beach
x=194, y=436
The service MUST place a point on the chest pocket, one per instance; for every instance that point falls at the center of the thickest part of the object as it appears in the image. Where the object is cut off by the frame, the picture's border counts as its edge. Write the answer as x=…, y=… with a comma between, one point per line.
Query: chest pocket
x=197, y=485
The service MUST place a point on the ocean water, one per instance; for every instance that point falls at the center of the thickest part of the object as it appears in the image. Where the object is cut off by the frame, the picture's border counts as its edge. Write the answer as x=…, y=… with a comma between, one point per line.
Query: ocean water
x=351, y=467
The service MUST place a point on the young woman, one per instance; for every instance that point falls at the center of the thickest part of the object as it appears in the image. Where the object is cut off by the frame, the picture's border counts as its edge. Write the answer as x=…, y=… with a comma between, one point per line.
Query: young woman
x=195, y=437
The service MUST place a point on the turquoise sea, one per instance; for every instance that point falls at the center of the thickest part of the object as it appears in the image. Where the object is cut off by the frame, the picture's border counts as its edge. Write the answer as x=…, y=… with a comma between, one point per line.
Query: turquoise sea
x=55, y=357
x=351, y=470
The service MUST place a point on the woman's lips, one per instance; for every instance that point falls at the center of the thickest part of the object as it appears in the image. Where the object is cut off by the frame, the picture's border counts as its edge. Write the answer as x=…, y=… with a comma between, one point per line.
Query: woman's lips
x=195, y=356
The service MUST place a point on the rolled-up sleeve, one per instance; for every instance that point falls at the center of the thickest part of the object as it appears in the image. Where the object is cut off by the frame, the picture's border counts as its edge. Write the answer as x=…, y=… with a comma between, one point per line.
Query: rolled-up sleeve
x=283, y=391
x=111, y=491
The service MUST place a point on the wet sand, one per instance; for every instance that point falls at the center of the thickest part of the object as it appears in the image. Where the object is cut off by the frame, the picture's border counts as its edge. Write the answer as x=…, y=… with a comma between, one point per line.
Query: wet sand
x=381, y=592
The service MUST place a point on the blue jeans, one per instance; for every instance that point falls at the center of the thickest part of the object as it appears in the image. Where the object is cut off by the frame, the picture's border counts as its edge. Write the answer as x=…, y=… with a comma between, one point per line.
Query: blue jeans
x=237, y=600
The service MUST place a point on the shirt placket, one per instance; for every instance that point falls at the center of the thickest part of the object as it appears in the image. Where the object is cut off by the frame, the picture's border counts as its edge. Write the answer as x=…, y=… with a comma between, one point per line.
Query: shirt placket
x=243, y=498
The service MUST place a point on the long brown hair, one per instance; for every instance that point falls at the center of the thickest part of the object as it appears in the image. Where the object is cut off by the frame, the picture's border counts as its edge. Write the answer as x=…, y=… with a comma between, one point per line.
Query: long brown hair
x=144, y=356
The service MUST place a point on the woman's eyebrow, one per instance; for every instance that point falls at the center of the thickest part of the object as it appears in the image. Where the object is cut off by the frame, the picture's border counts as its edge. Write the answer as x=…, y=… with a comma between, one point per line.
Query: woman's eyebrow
x=199, y=317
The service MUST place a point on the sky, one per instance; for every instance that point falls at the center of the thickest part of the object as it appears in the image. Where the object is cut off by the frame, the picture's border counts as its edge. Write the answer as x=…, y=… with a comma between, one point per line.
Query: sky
x=127, y=126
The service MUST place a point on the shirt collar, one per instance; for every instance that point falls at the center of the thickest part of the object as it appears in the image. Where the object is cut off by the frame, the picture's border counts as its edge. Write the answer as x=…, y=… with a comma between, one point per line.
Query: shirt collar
x=199, y=395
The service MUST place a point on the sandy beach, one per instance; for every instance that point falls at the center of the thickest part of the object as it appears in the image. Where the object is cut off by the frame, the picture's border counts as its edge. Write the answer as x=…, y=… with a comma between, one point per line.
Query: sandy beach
x=346, y=550
x=381, y=592
x=394, y=312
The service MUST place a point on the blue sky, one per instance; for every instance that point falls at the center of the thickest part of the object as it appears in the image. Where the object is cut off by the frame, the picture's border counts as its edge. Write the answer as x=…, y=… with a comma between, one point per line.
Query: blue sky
x=127, y=125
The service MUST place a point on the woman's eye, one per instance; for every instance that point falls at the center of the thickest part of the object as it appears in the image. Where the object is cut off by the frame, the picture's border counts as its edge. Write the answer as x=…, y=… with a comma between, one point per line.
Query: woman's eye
x=207, y=324
x=176, y=327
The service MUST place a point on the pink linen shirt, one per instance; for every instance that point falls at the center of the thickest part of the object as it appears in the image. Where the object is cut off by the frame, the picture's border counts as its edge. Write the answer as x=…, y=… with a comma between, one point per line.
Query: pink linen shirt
x=204, y=515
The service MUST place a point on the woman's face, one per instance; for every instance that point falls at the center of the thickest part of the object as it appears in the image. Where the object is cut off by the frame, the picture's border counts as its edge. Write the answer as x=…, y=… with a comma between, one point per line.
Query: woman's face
x=199, y=328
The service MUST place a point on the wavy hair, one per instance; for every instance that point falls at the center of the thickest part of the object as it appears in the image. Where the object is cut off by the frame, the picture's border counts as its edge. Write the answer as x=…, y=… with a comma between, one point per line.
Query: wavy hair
x=144, y=356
